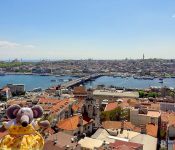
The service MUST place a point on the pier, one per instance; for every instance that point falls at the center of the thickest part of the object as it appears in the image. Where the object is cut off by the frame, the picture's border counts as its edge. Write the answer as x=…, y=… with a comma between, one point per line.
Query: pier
x=80, y=80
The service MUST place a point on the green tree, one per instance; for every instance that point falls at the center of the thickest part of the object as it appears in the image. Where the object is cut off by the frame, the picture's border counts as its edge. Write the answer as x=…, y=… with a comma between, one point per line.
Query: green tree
x=141, y=94
x=162, y=134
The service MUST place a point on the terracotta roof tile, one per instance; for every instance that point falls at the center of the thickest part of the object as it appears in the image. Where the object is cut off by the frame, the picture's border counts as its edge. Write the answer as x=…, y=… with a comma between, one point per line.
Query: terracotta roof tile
x=152, y=130
x=45, y=100
x=80, y=90
x=77, y=106
x=70, y=123
x=122, y=145
x=117, y=125
x=110, y=106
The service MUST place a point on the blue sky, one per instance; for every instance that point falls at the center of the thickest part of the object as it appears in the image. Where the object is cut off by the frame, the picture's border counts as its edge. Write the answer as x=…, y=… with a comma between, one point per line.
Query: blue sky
x=80, y=29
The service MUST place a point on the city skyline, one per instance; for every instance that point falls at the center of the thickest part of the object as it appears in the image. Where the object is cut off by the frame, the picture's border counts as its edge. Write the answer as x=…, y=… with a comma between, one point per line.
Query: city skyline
x=78, y=29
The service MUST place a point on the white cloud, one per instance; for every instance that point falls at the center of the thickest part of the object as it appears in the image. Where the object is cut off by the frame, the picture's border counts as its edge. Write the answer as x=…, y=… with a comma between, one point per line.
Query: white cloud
x=30, y=46
x=9, y=44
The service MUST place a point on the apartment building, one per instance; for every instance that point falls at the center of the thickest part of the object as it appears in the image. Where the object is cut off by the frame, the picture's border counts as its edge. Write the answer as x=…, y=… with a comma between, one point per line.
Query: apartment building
x=143, y=116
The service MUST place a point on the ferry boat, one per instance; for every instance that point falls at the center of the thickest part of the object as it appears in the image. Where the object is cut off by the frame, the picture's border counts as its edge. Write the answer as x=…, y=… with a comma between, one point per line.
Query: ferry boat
x=148, y=78
x=161, y=81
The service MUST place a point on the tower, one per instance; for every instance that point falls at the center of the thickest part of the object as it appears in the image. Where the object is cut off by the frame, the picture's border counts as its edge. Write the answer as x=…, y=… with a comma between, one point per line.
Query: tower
x=91, y=108
x=143, y=56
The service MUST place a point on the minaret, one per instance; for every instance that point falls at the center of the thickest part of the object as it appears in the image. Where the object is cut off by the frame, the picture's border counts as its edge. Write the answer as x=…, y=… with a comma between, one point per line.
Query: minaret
x=143, y=56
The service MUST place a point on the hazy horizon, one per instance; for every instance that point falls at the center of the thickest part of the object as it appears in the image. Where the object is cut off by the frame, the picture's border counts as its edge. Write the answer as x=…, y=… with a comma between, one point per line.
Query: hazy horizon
x=96, y=29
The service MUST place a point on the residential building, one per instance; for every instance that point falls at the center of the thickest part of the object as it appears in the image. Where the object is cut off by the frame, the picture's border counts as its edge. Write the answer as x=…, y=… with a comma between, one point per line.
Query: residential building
x=168, y=124
x=61, y=141
x=6, y=93
x=143, y=116
x=167, y=107
x=56, y=108
x=16, y=89
x=150, y=129
x=76, y=125
x=111, y=136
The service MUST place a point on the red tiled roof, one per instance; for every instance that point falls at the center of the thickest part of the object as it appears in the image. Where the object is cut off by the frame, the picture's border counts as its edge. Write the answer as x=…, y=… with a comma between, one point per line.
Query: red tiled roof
x=77, y=106
x=55, y=104
x=168, y=117
x=152, y=130
x=80, y=90
x=45, y=100
x=122, y=145
x=70, y=123
x=111, y=106
x=60, y=105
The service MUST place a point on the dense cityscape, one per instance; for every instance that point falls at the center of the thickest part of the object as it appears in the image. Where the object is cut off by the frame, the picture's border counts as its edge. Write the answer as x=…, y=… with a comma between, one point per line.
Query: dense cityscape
x=87, y=75
x=127, y=67
x=104, y=117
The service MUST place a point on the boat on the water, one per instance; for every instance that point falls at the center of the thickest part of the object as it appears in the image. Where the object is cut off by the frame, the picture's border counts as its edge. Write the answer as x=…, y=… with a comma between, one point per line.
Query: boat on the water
x=61, y=80
x=57, y=75
x=44, y=74
x=2, y=73
x=53, y=80
x=143, y=77
x=148, y=78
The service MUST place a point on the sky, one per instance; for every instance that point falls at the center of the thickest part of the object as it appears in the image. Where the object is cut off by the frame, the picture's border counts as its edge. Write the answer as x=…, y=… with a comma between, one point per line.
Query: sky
x=83, y=29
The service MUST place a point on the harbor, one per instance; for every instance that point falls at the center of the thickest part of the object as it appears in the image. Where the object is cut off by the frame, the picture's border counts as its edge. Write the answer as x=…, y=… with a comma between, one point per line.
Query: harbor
x=35, y=81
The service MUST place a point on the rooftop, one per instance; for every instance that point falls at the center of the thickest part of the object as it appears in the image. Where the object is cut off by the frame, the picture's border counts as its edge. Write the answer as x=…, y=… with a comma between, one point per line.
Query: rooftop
x=71, y=123
x=80, y=90
x=117, y=93
x=122, y=145
x=153, y=114
x=90, y=143
x=168, y=117
x=62, y=139
x=110, y=106
x=117, y=125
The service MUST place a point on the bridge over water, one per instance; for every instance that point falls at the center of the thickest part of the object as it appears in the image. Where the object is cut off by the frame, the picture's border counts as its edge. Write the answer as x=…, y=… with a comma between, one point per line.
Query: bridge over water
x=80, y=80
